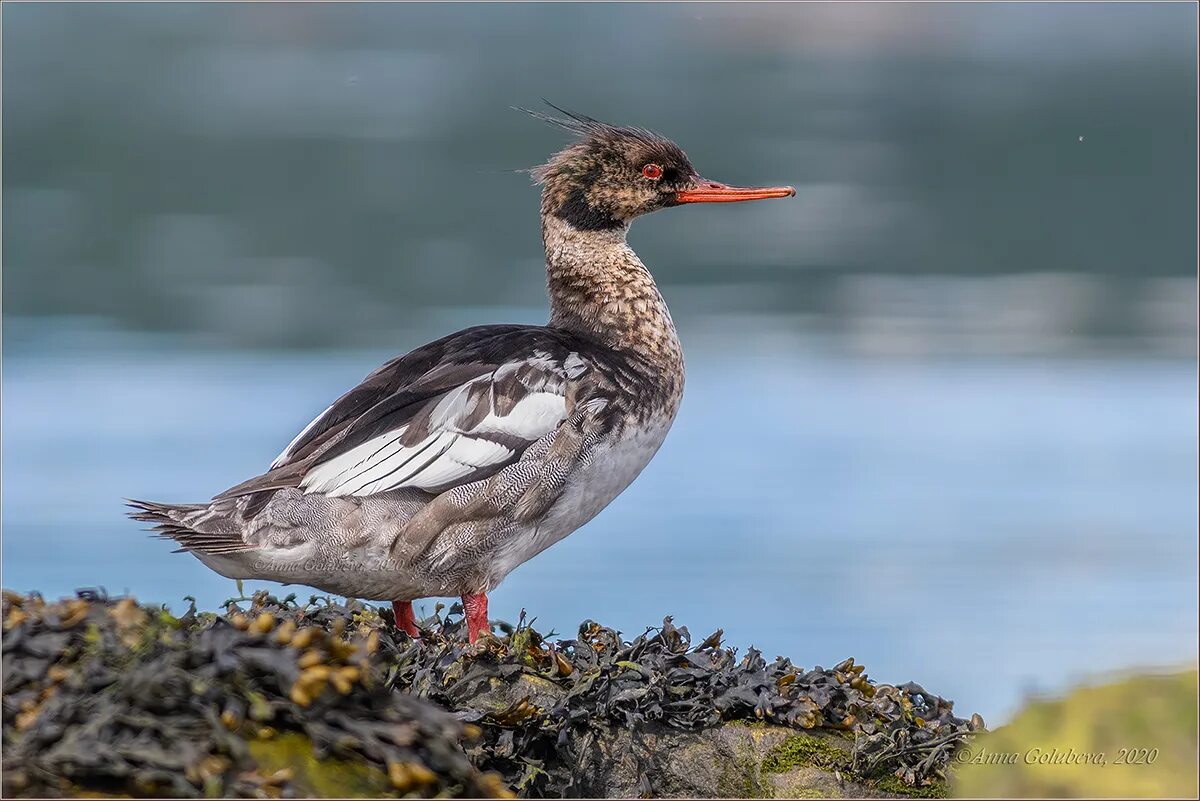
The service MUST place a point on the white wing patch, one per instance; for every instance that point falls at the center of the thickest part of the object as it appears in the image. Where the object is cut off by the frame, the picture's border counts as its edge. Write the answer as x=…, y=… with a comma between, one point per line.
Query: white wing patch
x=534, y=416
x=449, y=452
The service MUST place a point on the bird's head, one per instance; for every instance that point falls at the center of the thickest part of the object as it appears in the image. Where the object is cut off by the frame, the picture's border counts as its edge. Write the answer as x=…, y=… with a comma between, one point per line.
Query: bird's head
x=612, y=174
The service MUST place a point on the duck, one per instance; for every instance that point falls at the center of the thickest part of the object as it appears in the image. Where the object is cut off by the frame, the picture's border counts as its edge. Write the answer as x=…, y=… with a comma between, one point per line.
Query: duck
x=450, y=465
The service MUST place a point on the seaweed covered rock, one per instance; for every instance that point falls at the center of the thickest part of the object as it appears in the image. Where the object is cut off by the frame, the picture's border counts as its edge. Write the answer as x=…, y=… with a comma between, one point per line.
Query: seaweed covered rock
x=274, y=697
x=112, y=697
x=599, y=716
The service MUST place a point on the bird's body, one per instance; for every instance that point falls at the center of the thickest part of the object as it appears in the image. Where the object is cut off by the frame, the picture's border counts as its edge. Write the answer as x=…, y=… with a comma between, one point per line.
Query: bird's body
x=448, y=467
x=603, y=416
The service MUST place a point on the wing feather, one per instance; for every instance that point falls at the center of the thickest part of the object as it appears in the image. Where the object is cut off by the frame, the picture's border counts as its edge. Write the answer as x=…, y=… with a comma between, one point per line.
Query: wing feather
x=291, y=446
x=451, y=412
x=466, y=433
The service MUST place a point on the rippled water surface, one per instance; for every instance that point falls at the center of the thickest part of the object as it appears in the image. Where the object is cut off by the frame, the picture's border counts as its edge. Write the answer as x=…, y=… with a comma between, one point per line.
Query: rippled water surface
x=986, y=527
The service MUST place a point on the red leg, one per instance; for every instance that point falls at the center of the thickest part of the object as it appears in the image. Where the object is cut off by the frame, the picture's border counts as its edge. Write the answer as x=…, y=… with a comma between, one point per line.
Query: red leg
x=477, y=620
x=404, y=618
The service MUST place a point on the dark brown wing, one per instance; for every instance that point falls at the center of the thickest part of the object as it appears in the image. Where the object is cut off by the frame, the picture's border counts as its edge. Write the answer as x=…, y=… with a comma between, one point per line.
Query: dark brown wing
x=451, y=412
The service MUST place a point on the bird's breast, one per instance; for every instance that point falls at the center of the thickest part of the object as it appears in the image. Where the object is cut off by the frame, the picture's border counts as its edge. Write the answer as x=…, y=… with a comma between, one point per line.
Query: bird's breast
x=610, y=468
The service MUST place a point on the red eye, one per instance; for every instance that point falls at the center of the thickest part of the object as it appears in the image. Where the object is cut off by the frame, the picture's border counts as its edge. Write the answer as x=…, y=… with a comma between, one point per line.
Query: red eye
x=652, y=171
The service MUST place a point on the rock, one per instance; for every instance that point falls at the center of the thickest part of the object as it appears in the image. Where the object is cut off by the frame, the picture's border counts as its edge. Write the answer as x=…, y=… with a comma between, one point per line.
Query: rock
x=730, y=761
x=277, y=698
x=735, y=759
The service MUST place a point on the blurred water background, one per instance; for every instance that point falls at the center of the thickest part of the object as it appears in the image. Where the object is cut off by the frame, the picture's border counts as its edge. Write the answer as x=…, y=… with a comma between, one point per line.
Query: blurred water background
x=941, y=407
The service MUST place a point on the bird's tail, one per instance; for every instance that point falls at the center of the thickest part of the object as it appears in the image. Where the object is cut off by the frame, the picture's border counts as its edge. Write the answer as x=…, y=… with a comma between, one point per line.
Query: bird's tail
x=203, y=527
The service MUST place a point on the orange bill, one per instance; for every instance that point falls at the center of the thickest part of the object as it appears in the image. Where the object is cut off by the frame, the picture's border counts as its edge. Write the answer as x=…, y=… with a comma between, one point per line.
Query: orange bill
x=713, y=192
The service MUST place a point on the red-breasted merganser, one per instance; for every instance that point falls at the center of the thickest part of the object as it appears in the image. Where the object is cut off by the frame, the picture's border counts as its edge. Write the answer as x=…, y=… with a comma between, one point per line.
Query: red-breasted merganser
x=449, y=466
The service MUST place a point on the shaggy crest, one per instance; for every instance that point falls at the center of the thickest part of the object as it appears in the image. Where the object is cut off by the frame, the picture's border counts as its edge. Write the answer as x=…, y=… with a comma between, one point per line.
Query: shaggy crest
x=596, y=182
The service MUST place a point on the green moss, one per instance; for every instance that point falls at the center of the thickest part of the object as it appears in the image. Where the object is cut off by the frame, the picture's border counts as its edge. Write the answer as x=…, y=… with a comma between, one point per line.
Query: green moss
x=746, y=724
x=842, y=734
x=318, y=778
x=519, y=644
x=165, y=618
x=894, y=786
x=1080, y=738
x=802, y=751
x=92, y=637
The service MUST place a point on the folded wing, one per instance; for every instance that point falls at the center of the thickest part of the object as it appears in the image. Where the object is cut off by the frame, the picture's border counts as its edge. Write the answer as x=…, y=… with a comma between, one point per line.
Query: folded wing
x=454, y=412
x=466, y=434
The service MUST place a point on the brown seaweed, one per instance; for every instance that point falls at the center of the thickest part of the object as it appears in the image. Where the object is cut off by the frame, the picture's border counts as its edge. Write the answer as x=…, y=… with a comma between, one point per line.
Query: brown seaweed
x=109, y=696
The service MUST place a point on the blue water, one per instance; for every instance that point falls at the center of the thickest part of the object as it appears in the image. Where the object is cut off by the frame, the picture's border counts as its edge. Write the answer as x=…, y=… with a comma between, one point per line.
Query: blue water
x=986, y=527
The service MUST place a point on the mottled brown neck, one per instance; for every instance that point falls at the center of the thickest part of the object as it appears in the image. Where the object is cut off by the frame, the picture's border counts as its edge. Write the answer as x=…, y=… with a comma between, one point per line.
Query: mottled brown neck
x=599, y=288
